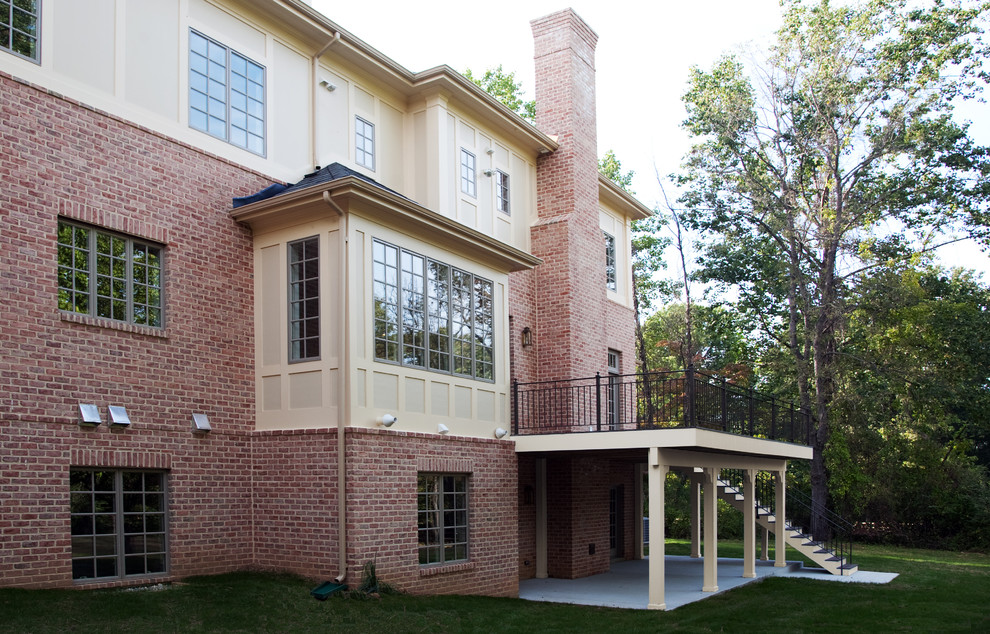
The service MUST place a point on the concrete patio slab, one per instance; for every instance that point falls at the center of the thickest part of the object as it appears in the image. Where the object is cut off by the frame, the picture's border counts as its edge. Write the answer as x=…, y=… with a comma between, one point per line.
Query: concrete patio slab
x=626, y=584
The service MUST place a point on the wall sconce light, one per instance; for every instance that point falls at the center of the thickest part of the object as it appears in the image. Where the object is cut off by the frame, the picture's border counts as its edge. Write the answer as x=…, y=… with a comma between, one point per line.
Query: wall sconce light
x=89, y=415
x=118, y=416
x=527, y=337
x=326, y=84
x=443, y=429
x=201, y=423
x=489, y=172
x=489, y=151
x=501, y=432
x=387, y=420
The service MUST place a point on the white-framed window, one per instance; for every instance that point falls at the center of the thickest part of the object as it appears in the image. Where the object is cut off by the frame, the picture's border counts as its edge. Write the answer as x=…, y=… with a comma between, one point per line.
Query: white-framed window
x=430, y=315
x=226, y=94
x=304, y=299
x=610, y=279
x=19, y=32
x=119, y=523
x=442, y=518
x=502, y=192
x=109, y=275
x=469, y=173
x=364, y=143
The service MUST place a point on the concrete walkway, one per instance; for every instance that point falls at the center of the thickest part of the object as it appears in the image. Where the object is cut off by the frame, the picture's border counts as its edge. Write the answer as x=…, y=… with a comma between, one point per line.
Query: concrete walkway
x=626, y=584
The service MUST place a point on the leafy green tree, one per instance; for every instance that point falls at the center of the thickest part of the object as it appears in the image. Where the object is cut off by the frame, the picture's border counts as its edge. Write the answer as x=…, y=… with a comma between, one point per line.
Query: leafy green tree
x=912, y=411
x=844, y=130
x=504, y=87
x=610, y=166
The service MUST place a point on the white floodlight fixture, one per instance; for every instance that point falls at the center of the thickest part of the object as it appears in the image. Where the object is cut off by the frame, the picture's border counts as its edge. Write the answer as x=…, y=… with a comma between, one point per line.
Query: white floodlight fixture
x=501, y=432
x=388, y=420
x=443, y=429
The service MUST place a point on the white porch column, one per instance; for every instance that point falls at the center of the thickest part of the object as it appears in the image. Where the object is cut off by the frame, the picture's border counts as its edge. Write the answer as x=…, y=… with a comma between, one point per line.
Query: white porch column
x=638, y=514
x=764, y=544
x=780, y=532
x=695, y=510
x=711, y=530
x=749, y=523
x=541, y=518
x=657, y=477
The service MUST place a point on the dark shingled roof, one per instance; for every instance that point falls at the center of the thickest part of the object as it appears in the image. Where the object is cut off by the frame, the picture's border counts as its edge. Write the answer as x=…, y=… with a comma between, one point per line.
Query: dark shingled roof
x=332, y=172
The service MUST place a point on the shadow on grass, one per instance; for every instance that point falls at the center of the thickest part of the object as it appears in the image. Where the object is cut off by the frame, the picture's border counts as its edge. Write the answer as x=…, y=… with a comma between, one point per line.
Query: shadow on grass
x=936, y=591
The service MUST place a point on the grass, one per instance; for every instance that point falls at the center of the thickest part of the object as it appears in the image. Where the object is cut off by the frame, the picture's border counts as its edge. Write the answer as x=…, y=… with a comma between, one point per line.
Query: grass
x=936, y=591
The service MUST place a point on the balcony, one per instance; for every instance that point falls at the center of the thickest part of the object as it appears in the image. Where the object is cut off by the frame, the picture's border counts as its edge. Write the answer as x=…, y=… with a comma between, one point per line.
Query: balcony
x=657, y=400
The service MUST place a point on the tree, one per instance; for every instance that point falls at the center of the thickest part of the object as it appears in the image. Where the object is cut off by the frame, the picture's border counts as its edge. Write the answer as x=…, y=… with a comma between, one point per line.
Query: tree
x=843, y=134
x=504, y=87
x=611, y=167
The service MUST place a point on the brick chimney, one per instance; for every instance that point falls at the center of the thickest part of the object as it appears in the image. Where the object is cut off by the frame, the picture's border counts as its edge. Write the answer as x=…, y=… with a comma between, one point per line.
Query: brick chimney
x=570, y=285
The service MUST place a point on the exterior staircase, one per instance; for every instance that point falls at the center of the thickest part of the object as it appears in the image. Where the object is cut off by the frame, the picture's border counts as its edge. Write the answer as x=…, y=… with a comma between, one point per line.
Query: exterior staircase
x=829, y=556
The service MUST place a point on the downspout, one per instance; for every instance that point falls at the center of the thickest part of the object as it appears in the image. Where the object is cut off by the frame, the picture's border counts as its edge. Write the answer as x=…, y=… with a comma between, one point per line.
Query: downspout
x=343, y=407
x=314, y=72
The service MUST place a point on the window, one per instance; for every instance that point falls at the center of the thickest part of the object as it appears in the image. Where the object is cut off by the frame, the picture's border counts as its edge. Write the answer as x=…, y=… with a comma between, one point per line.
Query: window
x=431, y=315
x=469, y=176
x=442, y=518
x=502, y=191
x=108, y=275
x=304, y=299
x=364, y=143
x=226, y=94
x=613, y=399
x=610, y=262
x=118, y=521
x=19, y=27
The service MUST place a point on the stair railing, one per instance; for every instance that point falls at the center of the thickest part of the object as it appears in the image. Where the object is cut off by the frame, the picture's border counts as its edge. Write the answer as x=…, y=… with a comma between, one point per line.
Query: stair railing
x=838, y=537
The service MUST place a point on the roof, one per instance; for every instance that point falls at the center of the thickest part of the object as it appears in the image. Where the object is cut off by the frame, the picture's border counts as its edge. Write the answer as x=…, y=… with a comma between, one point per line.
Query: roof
x=332, y=172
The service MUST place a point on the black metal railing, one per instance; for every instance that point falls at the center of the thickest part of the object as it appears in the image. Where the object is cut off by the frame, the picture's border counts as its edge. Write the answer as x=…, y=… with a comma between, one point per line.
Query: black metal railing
x=835, y=537
x=832, y=531
x=657, y=400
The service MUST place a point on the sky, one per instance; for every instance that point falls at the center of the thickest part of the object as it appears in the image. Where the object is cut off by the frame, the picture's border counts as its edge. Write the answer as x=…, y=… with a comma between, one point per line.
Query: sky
x=644, y=53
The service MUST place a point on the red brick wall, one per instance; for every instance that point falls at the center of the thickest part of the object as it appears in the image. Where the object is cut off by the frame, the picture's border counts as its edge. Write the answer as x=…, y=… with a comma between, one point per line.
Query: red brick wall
x=296, y=525
x=570, y=285
x=527, y=516
x=60, y=158
x=382, y=467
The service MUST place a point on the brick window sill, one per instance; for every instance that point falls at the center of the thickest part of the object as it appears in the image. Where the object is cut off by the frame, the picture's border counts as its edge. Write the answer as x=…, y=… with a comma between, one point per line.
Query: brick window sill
x=100, y=322
x=429, y=571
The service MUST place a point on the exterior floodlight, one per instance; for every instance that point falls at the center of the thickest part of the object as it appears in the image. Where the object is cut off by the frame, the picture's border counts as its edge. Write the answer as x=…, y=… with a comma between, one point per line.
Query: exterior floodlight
x=388, y=420
x=201, y=423
x=89, y=415
x=326, y=84
x=118, y=416
x=443, y=429
x=501, y=433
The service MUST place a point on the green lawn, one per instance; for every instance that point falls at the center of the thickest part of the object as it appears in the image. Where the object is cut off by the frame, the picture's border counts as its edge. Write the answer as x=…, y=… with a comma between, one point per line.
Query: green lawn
x=936, y=591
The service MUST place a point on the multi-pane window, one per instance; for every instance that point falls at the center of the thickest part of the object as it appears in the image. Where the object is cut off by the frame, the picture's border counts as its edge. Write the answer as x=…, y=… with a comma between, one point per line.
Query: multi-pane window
x=226, y=94
x=118, y=521
x=431, y=315
x=442, y=518
x=364, y=143
x=109, y=275
x=19, y=27
x=502, y=191
x=469, y=173
x=610, y=280
x=304, y=299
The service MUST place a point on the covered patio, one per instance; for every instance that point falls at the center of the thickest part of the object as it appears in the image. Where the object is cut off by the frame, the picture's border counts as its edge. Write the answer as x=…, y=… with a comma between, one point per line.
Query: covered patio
x=699, y=453
x=626, y=585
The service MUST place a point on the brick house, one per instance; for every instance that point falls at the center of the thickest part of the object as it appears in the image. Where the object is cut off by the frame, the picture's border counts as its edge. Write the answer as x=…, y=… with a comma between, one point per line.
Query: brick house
x=218, y=355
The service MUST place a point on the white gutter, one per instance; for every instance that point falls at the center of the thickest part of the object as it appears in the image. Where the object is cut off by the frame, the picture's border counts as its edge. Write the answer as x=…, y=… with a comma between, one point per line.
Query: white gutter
x=343, y=386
